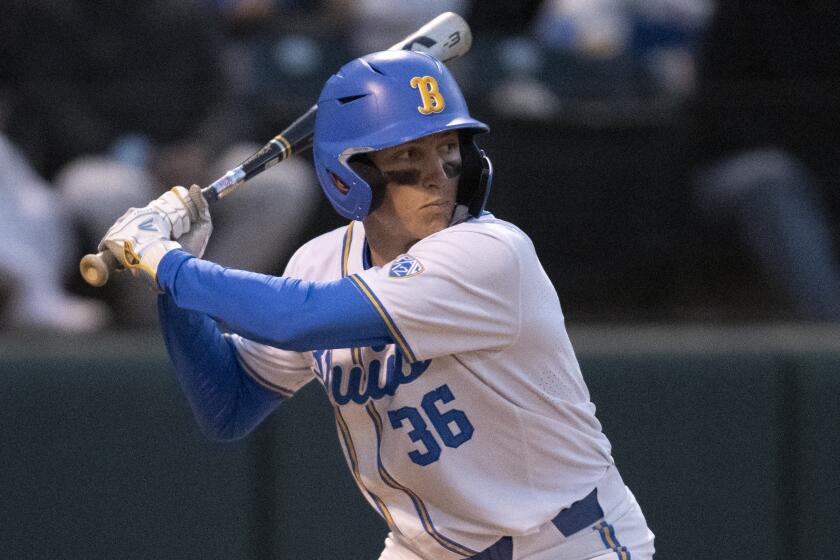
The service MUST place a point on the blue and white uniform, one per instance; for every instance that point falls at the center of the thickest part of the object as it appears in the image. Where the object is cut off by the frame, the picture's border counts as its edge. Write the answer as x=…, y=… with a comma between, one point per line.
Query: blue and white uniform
x=458, y=400
x=464, y=419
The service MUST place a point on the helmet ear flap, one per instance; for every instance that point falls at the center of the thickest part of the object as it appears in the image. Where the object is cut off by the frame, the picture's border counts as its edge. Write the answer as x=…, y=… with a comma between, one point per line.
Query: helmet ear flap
x=476, y=176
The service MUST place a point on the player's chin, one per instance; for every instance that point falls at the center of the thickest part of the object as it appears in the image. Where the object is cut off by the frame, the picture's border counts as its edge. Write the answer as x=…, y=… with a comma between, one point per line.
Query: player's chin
x=435, y=218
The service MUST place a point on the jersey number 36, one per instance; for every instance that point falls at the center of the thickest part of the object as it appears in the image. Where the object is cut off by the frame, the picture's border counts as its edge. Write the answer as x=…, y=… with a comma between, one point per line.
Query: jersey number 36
x=442, y=421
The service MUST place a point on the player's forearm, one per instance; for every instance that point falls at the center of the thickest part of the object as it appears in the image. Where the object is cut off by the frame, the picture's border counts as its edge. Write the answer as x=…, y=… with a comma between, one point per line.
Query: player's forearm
x=227, y=403
x=283, y=312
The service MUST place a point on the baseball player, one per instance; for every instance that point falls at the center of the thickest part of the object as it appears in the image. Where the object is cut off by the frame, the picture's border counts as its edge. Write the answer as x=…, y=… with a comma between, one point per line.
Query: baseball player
x=431, y=325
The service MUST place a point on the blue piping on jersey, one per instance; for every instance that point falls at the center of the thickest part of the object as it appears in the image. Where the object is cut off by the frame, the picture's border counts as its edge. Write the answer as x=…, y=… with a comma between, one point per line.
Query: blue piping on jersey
x=354, y=464
x=346, y=241
x=396, y=335
x=610, y=540
x=288, y=393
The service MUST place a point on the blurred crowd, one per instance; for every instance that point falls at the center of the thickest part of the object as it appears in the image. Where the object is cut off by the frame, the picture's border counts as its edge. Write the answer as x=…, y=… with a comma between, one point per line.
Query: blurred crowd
x=104, y=105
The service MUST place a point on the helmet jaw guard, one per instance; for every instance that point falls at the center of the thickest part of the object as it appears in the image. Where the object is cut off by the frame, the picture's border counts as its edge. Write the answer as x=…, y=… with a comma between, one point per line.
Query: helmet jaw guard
x=382, y=100
x=476, y=176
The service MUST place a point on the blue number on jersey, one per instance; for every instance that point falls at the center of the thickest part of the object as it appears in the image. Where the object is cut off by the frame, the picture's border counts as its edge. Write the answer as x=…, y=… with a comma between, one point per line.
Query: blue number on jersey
x=419, y=433
x=440, y=420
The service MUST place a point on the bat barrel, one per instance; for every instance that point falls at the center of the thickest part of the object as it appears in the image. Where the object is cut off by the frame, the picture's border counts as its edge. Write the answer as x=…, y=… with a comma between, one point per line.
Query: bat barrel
x=446, y=37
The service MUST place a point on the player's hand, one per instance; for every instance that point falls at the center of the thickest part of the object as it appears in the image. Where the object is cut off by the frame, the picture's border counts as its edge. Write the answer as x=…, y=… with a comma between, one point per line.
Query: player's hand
x=194, y=241
x=178, y=208
x=140, y=239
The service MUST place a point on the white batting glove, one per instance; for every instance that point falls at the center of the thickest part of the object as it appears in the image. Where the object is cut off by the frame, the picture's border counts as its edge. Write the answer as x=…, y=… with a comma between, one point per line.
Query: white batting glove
x=194, y=241
x=139, y=240
x=176, y=206
x=142, y=236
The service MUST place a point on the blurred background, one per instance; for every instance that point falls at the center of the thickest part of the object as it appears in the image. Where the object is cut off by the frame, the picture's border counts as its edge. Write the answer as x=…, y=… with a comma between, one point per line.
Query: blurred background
x=675, y=162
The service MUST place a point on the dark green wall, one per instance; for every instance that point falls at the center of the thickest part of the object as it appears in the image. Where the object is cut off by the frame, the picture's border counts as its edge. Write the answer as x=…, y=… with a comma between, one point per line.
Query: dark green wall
x=732, y=454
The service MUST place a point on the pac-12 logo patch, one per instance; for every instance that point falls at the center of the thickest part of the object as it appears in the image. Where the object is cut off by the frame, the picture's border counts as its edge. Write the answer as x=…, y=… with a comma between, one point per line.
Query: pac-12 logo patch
x=405, y=266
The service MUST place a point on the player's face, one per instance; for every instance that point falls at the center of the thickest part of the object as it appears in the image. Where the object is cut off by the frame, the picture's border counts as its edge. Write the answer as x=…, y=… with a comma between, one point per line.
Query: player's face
x=422, y=183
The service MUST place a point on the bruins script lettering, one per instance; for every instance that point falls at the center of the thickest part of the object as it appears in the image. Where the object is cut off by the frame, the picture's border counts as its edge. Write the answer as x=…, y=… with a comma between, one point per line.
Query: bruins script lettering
x=362, y=382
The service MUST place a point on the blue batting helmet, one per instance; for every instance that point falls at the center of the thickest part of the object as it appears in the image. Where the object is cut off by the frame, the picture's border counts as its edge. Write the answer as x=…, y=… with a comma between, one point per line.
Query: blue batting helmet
x=382, y=100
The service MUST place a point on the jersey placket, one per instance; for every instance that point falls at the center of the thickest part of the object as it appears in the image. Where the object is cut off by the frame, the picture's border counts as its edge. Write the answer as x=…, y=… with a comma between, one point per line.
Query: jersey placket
x=414, y=512
x=353, y=458
x=346, y=246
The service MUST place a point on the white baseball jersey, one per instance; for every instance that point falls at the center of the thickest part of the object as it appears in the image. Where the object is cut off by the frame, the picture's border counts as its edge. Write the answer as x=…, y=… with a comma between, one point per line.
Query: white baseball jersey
x=476, y=423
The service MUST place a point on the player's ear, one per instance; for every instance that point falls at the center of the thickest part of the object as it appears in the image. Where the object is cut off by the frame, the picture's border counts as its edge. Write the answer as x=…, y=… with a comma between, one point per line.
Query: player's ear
x=364, y=167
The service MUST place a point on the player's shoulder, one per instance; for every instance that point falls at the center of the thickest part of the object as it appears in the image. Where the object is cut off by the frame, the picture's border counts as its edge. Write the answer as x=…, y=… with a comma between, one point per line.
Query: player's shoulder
x=487, y=222
x=487, y=229
x=484, y=246
x=320, y=254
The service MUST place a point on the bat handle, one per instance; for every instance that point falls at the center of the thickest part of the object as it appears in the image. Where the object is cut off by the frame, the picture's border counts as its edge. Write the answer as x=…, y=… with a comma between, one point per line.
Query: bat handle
x=96, y=269
x=225, y=184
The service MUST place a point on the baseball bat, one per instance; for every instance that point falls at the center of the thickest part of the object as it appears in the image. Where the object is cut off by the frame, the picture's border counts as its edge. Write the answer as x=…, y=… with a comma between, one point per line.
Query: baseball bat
x=445, y=37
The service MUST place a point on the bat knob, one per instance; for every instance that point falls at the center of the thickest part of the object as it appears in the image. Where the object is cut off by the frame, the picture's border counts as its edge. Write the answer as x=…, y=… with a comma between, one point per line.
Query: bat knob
x=96, y=269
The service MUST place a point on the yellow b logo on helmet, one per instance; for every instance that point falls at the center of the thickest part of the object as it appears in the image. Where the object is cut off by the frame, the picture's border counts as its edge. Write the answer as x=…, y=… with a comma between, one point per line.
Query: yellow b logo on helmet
x=433, y=101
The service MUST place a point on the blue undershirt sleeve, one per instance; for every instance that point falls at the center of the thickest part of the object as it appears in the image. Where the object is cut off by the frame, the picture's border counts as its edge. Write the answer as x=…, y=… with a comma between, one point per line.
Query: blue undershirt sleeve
x=284, y=312
x=226, y=402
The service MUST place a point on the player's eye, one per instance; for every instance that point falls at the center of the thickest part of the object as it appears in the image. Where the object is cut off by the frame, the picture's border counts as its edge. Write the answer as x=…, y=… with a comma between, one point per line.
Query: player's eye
x=450, y=151
x=408, y=154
